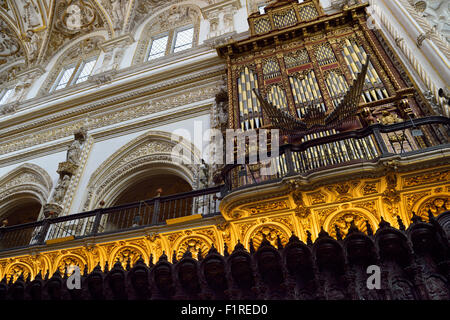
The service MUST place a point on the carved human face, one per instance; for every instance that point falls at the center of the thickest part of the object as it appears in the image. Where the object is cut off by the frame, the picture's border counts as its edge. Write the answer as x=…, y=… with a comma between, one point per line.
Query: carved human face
x=296, y=258
x=215, y=273
x=241, y=271
x=117, y=283
x=140, y=280
x=54, y=290
x=96, y=285
x=163, y=277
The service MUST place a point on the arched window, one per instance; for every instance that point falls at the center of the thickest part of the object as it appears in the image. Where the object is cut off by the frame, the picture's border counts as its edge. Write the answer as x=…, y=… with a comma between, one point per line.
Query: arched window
x=74, y=66
x=5, y=94
x=171, y=42
x=171, y=31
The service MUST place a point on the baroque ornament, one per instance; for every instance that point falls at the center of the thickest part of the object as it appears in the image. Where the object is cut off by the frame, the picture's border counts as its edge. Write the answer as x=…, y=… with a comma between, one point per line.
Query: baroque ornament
x=125, y=254
x=193, y=244
x=344, y=221
x=73, y=18
x=427, y=178
x=68, y=262
x=436, y=205
x=270, y=233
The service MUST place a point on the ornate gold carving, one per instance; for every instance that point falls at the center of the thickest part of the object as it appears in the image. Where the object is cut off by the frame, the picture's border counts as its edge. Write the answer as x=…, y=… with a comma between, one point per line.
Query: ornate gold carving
x=370, y=188
x=317, y=197
x=69, y=261
x=125, y=254
x=267, y=206
x=344, y=190
x=194, y=244
x=225, y=230
x=324, y=213
x=436, y=205
x=16, y=270
x=271, y=233
x=172, y=238
x=370, y=205
x=286, y=220
x=344, y=220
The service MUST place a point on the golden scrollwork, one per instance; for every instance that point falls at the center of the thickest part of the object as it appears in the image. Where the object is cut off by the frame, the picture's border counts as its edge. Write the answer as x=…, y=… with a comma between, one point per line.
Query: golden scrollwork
x=344, y=220
x=427, y=178
x=436, y=205
x=270, y=232
x=193, y=244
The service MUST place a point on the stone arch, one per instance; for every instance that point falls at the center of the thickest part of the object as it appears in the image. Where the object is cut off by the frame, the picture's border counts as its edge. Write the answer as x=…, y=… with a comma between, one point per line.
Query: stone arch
x=344, y=218
x=270, y=231
x=158, y=23
x=26, y=182
x=194, y=243
x=147, y=154
x=124, y=252
x=437, y=203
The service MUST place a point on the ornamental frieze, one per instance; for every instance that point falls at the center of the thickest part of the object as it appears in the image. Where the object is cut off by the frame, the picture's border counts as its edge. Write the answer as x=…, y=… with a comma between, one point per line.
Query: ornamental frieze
x=267, y=206
x=412, y=199
x=96, y=121
x=427, y=178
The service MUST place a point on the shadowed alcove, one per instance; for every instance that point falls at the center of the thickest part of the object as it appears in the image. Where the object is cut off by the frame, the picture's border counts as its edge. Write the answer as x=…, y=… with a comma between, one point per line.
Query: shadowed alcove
x=148, y=188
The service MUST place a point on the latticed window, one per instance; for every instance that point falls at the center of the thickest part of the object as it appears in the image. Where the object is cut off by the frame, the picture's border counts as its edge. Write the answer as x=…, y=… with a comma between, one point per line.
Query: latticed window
x=183, y=39
x=158, y=47
x=262, y=25
x=308, y=13
x=75, y=73
x=171, y=42
x=5, y=95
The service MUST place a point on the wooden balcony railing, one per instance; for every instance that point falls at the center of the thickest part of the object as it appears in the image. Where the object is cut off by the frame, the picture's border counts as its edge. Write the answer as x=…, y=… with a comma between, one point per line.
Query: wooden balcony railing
x=110, y=220
x=342, y=149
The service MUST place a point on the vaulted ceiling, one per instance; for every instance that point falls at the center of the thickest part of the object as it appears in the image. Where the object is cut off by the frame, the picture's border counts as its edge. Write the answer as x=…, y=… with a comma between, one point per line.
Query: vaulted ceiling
x=33, y=31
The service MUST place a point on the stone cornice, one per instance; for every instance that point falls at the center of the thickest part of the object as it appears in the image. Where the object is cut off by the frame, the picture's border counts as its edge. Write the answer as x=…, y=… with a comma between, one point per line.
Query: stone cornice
x=115, y=93
x=108, y=131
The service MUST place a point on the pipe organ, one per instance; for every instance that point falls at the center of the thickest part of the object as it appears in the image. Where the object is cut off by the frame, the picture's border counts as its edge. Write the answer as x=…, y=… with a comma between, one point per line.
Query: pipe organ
x=300, y=59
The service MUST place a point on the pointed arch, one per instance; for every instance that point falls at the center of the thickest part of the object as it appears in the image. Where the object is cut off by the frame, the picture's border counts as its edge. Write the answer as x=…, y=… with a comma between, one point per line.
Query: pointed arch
x=158, y=22
x=27, y=182
x=146, y=155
